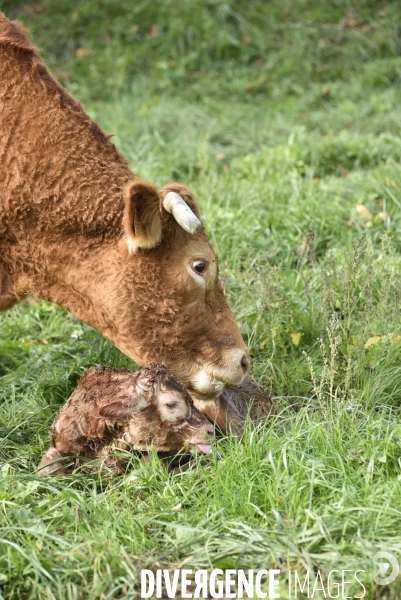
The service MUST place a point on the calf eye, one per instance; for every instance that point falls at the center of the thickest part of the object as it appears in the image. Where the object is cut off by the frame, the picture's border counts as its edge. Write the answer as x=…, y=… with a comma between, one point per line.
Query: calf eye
x=199, y=266
x=171, y=404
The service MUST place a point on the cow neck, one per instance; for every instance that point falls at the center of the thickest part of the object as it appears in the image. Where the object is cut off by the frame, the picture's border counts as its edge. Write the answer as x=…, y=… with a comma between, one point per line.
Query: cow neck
x=59, y=171
x=73, y=274
x=61, y=189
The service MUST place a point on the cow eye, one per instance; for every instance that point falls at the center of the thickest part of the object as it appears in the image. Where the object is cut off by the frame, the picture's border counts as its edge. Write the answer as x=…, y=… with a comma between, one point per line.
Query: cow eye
x=199, y=266
x=171, y=405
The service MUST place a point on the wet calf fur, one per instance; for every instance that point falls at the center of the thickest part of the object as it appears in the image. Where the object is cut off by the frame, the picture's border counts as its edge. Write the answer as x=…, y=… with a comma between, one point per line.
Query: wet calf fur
x=230, y=410
x=115, y=409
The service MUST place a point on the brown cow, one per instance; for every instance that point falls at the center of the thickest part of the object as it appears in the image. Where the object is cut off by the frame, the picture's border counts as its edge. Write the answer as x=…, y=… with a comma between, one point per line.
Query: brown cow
x=77, y=229
x=115, y=409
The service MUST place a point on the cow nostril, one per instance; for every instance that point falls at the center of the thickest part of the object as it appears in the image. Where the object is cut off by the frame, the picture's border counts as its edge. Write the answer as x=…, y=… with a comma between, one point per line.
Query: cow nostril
x=245, y=364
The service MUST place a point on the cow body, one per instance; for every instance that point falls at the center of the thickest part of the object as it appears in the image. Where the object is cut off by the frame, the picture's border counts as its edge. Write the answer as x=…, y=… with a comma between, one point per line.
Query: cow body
x=79, y=230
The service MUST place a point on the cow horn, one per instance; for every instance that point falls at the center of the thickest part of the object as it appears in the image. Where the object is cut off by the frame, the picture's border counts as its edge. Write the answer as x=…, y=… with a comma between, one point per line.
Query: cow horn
x=176, y=206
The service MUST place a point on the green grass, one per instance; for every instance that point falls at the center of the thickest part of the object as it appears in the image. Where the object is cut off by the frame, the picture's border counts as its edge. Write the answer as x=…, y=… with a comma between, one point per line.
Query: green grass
x=282, y=117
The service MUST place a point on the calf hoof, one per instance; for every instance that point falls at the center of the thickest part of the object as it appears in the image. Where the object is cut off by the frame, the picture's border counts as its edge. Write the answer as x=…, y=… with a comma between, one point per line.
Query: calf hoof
x=54, y=463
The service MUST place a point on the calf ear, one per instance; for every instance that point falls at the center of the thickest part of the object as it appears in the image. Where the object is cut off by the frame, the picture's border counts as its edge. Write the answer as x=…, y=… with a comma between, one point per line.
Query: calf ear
x=121, y=411
x=142, y=221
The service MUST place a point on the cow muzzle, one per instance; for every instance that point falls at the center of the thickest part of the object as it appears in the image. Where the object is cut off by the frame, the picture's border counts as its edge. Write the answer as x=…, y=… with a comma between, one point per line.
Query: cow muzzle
x=211, y=379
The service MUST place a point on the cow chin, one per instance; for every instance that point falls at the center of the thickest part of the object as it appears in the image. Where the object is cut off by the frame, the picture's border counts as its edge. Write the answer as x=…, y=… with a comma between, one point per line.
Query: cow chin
x=210, y=380
x=206, y=386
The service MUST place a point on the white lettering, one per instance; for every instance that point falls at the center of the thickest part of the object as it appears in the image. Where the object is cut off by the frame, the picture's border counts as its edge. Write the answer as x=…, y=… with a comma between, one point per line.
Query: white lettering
x=230, y=582
x=273, y=582
x=212, y=584
x=185, y=582
x=334, y=584
x=364, y=590
x=158, y=583
x=299, y=583
x=318, y=576
x=201, y=583
x=344, y=582
x=171, y=588
x=145, y=573
x=258, y=590
x=245, y=584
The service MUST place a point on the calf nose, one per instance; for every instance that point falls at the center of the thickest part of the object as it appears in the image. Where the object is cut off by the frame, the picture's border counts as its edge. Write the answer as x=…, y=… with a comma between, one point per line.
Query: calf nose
x=210, y=432
x=245, y=364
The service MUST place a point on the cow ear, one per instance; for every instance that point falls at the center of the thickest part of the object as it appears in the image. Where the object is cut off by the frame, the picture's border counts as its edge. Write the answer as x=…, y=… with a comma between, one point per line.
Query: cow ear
x=142, y=221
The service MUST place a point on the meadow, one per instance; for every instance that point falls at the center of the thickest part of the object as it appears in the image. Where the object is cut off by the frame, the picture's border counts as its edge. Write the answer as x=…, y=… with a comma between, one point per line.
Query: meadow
x=283, y=117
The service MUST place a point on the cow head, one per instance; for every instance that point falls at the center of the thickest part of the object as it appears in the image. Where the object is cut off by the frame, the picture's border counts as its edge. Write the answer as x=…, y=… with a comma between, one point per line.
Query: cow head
x=173, y=306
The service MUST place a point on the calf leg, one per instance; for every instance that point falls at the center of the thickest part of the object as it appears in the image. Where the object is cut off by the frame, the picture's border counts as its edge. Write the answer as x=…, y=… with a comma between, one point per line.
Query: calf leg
x=53, y=463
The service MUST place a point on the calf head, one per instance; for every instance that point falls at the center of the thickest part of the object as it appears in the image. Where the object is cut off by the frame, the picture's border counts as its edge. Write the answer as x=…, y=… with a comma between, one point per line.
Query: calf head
x=168, y=419
x=173, y=305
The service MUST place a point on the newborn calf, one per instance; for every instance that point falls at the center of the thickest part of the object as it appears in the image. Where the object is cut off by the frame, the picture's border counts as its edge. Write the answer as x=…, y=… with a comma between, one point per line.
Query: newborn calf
x=113, y=409
x=229, y=411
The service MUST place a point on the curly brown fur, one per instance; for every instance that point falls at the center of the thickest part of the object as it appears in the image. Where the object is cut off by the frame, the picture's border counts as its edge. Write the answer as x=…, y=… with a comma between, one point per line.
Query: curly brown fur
x=230, y=410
